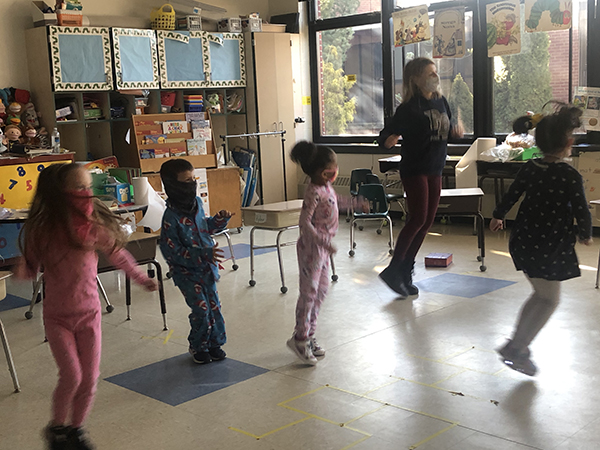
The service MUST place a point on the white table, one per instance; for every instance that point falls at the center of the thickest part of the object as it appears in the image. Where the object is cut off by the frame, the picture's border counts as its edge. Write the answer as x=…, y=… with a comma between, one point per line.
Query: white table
x=9, y=359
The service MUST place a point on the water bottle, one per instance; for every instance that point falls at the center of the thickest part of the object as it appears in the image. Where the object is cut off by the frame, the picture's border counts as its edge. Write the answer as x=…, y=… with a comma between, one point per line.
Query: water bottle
x=55, y=141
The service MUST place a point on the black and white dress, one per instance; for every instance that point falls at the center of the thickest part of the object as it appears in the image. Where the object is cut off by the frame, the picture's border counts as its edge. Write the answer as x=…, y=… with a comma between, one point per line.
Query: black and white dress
x=542, y=241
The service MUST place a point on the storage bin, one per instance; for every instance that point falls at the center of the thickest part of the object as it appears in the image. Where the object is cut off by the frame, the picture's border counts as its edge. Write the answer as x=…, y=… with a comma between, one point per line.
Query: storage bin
x=69, y=17
x=163, y=18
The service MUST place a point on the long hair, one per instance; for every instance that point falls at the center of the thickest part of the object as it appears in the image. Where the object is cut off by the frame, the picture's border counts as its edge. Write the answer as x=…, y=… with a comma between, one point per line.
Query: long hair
x=311, y=157
x=51, y=214
x=554, y=130
x=412, y=72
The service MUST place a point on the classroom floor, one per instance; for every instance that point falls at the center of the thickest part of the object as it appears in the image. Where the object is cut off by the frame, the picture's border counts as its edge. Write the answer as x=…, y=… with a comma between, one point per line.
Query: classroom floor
x=407, y=374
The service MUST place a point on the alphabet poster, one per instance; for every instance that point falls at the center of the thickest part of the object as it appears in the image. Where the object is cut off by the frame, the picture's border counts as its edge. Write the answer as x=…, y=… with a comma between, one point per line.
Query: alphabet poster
x=504, y=28
x=449, y=33
x=411, y=25
x=548, y=15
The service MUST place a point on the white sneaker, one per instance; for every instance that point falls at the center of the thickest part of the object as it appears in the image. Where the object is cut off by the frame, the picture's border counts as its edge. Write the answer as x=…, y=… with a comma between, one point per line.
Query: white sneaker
x=315, y=347
x=302, y=350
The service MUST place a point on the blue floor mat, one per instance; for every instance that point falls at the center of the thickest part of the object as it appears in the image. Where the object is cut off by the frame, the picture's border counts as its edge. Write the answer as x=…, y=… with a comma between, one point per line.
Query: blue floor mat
x=12, y=302
x=466, y=286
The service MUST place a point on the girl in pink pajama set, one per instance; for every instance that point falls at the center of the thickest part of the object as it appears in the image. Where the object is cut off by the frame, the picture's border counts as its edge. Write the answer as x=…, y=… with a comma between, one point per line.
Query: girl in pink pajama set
x=318, y=226
x=64, y=230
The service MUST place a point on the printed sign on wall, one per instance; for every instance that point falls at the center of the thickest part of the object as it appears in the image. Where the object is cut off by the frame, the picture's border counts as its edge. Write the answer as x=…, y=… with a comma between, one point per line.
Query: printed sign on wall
x=411, y=25
x=504, y=28
x=548, y=15
x=449, y=33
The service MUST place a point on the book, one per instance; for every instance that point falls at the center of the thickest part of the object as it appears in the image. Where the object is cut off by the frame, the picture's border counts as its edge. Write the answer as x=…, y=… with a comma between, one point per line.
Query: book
x=161, y=153
x=194, y=117
x=202, y=133
x=155, y=139
x=175, y=126
x=147, y=153
x=196, y=147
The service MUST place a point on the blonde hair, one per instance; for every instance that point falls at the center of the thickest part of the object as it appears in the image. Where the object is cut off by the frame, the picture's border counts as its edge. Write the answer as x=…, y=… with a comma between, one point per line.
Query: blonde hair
x=412, y=72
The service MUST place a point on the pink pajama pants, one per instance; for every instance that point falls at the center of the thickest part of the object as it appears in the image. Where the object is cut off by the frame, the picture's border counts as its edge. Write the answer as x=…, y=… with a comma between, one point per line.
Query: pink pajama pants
x=75, y=342
x=313, y=262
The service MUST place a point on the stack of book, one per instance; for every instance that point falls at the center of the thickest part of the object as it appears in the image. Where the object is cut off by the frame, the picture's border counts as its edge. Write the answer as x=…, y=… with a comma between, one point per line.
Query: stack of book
x=193, y=103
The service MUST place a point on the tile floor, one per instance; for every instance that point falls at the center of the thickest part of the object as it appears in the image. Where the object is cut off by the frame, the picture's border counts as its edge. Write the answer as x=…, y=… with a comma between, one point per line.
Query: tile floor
x=399, y=374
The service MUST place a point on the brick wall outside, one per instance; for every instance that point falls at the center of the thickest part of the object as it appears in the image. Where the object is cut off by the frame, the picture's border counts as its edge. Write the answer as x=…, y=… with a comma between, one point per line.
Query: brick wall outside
x=559, y=63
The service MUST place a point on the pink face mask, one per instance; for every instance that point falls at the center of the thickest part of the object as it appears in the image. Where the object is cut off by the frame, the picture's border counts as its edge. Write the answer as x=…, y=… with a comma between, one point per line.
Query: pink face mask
x=82, y=200
x=330, y=175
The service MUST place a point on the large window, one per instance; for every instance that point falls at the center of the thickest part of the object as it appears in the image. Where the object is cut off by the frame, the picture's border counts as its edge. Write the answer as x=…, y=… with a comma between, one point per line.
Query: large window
x=351, y=100
x=329, y=9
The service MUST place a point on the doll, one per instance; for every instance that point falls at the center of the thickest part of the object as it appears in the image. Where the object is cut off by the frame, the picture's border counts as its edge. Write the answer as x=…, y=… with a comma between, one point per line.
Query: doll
x=12, y=133
x=14, y=116
x=30, y=139
x=31, y=116
x=3, y=115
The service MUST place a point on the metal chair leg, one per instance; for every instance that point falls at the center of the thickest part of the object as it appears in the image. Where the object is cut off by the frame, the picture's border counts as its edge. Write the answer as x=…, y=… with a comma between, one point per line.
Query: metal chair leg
x=9, y=359
x=252, y=281
x=351, y=252
x=109, y=308
x=128, y=296
x=228, y=237
x=334, y=276
x=389, y=219
x=284, y=288
x=161, y=293
x=37, y=289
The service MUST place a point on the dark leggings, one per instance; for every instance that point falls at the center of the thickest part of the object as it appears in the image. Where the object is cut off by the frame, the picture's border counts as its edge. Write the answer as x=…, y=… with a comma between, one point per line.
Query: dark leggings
x=422, y=198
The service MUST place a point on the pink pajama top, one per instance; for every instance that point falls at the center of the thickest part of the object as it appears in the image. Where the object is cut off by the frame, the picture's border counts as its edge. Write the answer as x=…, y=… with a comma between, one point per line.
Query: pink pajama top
x=319, y=219
x=70, y=273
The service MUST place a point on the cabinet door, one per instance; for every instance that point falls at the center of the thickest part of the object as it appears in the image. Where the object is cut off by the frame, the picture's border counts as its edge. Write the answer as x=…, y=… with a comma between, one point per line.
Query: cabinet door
x=183, y=58
x=81, y=58
x=136, y=59
x=227, y=60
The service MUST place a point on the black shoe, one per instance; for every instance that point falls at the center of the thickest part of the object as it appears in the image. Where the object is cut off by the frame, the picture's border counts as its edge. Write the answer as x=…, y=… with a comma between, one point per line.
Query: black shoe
x=409, y=267
x=217, y=354
x=57, y=437
x=200, y=357
x=78, y=440
x=394, y=281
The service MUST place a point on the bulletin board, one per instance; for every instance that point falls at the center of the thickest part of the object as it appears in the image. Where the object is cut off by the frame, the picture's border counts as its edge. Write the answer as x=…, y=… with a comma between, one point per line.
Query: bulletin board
x=18, y=183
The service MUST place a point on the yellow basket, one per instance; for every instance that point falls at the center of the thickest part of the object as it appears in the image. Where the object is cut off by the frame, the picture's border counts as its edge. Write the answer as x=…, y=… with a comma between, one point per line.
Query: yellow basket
x=163, y=18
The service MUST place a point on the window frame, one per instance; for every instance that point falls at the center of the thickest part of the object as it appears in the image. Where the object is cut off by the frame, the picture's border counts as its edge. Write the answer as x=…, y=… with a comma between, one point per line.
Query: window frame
x=483, y=84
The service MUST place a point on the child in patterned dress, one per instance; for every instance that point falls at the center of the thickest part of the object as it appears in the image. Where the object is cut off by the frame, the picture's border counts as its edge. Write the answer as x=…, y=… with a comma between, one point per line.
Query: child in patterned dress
x=542, y=241
x=193, y=258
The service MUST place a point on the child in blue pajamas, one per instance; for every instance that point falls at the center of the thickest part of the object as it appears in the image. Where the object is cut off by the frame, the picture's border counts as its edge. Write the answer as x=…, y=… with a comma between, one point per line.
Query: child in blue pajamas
x=193, y=258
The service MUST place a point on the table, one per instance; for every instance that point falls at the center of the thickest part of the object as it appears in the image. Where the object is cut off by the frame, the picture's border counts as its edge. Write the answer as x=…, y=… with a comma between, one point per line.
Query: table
x=465, y=202
x=392, y=164
x=9, y=359
x=498, y=171
x=279, y=217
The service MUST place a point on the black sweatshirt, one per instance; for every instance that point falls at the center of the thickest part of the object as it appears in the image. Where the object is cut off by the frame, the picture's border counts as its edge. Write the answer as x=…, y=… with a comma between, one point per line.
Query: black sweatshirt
x=424, y=126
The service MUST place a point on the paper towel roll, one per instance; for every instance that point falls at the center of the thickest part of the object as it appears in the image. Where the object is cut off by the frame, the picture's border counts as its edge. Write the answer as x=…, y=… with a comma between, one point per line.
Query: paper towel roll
x=140, y=190
x=466, y=169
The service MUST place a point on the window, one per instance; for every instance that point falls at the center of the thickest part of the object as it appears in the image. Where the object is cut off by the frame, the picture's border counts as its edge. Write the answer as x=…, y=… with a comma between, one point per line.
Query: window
x=328, y=9
x=541, y=72
x=351, y=89
x=456, y=74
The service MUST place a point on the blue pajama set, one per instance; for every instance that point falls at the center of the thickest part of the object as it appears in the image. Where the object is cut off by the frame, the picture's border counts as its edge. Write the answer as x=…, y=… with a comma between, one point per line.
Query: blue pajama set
x=187, y=245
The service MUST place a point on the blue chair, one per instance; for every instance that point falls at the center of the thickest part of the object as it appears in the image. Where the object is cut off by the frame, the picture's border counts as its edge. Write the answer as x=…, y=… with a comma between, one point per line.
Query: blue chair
x=358, y=177
x=378, y=210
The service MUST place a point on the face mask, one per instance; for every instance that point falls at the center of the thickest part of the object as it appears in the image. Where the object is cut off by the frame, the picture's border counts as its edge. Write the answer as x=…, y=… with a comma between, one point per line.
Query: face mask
x=182, y=194
x=82, y=200
x=432, y=84
x=330, y=175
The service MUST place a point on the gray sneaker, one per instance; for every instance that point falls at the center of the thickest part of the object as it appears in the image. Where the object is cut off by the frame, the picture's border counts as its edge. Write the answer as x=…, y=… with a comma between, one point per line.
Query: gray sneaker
x=302, y=350
x=518, y=360
x=315, y=347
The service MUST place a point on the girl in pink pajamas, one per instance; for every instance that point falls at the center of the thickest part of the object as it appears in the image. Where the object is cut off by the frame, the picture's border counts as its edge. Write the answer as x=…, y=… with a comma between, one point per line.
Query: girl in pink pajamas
x=66, y=227
x=318, y=225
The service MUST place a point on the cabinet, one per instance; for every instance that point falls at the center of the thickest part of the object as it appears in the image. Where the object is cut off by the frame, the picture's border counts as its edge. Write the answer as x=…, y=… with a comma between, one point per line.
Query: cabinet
x=227, y=62
x=270, y=108
x=135, y=58
x=183, y=58
x=81, y=58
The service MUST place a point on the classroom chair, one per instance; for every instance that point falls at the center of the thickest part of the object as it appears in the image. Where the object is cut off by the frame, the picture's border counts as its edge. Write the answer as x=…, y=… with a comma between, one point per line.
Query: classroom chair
x=378, y=210
x=357, y=178
x=9, y=359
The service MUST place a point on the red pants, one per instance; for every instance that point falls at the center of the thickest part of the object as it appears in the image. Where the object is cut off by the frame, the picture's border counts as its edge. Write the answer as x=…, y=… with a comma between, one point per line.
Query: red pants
x=422, y=199
x=75, y=342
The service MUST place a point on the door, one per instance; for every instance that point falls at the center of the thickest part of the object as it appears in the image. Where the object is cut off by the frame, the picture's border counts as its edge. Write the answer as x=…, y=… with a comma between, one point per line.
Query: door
x=135, y=58
x=227, y=60
x=183, y=58
x=81, y=58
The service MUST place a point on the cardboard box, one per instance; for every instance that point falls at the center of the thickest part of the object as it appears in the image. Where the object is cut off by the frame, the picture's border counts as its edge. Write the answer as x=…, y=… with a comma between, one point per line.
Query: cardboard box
x=438, y=260
x=232, y=25
x=120, y=191
x=41, y=19
x=252, y=24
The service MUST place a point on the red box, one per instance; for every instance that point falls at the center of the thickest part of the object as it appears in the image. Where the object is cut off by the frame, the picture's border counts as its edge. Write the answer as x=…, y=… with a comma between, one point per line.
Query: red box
x=438, y=260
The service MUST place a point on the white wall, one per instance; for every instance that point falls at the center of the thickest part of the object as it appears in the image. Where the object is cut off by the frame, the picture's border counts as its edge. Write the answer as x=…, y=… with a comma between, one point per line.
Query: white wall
x=16, y=17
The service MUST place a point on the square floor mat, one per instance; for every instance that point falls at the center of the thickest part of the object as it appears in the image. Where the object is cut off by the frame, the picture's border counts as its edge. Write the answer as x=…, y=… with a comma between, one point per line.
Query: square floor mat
x=12, y=302
x=178, y=380
x=466, y=286
x=242, y=251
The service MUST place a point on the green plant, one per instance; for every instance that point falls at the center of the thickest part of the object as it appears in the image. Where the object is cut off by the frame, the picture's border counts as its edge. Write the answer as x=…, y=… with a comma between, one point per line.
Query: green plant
x=461, y=103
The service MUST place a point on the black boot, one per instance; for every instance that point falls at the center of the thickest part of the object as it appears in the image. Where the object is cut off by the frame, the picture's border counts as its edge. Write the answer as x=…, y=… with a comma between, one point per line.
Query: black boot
x=78, y=440
x=407, y=271
x=393, y=277
x=57, y=437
